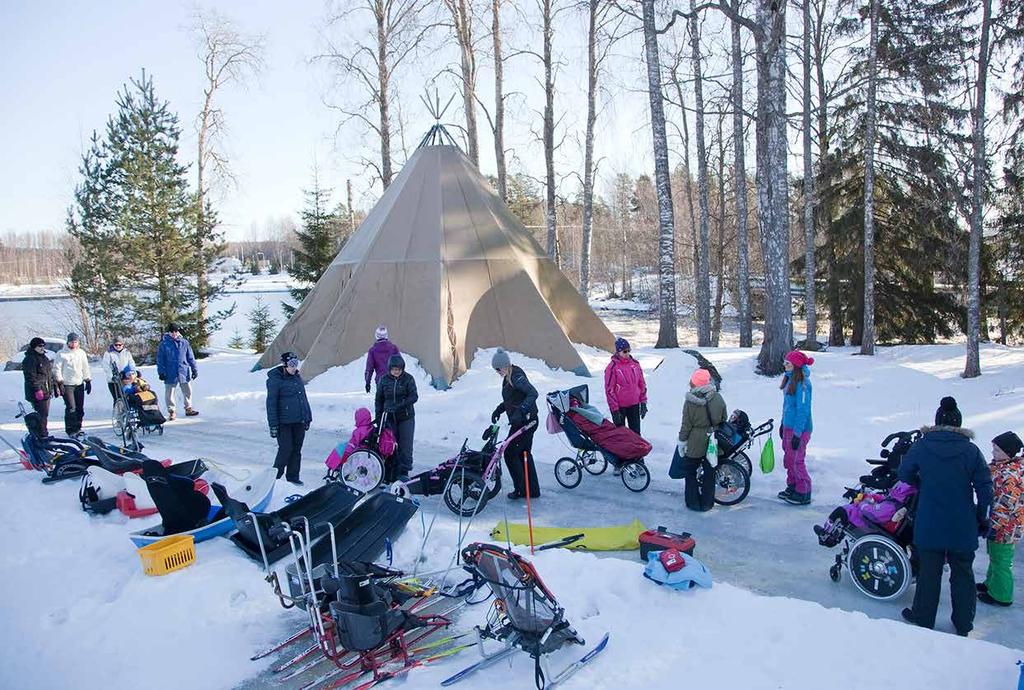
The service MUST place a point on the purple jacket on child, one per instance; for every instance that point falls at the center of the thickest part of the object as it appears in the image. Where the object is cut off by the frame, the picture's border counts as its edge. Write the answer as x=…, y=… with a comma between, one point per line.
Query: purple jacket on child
x=377, y=359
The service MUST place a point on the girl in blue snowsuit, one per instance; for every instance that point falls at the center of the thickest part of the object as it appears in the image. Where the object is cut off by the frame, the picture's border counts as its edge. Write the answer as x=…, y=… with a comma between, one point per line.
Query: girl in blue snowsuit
x=796, y=427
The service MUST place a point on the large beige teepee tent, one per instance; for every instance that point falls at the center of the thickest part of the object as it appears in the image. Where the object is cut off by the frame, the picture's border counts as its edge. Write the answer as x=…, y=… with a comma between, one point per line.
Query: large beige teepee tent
x=448, y=268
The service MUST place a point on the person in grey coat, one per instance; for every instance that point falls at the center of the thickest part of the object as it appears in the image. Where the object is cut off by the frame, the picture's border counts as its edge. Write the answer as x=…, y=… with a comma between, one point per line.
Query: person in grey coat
x=288, y=415
x=949, y=472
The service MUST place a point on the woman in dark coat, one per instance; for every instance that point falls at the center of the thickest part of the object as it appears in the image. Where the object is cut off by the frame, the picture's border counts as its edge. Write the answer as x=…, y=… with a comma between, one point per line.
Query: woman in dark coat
x=519, y=403
x=288, y=415
x=949, y=472
x=397, y=396
x=38, y=372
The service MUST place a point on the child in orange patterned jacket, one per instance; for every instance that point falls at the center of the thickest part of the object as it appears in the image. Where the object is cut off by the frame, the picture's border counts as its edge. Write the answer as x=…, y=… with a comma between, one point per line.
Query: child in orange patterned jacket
x=1007, y=519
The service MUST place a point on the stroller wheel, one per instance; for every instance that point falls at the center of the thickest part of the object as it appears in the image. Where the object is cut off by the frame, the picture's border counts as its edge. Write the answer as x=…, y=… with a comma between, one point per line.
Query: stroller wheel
x=466, y=494
x=635, y=476
x=743, y=460
x=363, y=470
x=835, y=572
x=567, y=473
x=595, y=463
x=732, y=483
x=117, y=418
x=879, y=567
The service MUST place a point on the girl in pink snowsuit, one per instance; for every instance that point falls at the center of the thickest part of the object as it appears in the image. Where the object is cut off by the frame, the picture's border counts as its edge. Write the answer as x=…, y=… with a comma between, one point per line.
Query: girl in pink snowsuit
x=364, y=427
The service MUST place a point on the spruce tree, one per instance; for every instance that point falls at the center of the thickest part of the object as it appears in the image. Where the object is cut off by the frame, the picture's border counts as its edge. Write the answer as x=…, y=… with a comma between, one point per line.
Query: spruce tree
x=237, y=342
x=319, y=241
x=262, y=327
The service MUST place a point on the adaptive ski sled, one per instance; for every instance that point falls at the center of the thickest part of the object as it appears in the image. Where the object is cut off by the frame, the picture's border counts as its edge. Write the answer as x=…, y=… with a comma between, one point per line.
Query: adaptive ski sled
x=101, y=490
x=526, y=616
x=184, y=510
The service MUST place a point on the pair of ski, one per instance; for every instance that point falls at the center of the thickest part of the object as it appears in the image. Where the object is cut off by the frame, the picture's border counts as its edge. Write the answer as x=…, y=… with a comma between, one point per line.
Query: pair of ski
x=511, y=649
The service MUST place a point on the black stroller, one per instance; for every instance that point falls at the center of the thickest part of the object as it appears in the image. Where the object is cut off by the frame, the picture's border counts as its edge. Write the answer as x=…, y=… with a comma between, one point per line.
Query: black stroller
x=135, y=411
x=879, y=555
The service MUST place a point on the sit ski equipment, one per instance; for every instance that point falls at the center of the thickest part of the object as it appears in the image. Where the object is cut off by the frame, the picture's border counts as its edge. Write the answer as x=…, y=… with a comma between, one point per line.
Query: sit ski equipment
x=524, y=615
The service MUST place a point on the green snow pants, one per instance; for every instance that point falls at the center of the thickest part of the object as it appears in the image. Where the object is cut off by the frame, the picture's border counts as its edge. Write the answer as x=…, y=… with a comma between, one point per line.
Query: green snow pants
x=1000, y=571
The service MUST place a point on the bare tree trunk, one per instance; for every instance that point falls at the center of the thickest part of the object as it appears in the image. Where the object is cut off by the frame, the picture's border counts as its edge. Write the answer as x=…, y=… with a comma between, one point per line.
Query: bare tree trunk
x=588, y=147
x=716, y=326
x=773, y=184
x=383, y=103
x=351, y=210
x=702, y=279
x=462, y=21
x=810, y=268
x=740, y=181
x=867, y=343
x=549, y=133
x=667, y=336
x=686, y=170
x=499, y=100
x=975, y=323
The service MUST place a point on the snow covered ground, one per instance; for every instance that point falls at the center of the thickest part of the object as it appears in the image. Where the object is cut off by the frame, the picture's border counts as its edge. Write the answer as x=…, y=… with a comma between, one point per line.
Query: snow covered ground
x=78, y=610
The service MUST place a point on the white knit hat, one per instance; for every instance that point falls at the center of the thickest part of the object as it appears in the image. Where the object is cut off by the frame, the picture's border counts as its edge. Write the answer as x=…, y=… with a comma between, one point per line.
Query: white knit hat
x=381, y=333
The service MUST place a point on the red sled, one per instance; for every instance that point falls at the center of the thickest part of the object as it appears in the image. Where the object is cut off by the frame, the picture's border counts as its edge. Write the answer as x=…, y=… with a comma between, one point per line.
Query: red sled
x=661, y=539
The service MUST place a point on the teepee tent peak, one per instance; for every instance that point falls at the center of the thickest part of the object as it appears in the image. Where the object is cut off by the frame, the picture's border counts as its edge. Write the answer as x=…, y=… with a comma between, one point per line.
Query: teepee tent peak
x=451, y=270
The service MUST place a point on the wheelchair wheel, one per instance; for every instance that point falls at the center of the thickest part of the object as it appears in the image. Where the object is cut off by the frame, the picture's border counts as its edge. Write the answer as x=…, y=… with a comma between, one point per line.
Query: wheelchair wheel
x=879, y=567
x=635, y=476
x=732, y=483
x=363, y=470
x=466, y=494
x=567, y=473
x=595, y=463
x=743, y=460
x=118, y=418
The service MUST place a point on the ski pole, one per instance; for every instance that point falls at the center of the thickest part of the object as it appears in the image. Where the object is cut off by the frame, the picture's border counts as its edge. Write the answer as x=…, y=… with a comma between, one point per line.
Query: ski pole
x=529, y=516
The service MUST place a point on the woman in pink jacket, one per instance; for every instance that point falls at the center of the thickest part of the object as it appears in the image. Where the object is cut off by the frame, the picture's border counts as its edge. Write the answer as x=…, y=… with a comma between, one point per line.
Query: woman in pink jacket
x=625, y=388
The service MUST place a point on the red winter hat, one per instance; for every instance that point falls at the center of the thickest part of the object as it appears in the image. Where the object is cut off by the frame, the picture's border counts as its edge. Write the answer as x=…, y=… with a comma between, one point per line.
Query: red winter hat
x=799, y=359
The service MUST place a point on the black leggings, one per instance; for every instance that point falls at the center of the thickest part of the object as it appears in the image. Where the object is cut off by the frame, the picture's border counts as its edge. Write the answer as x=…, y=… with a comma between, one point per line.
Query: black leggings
x=628, y=416
x=514, y=462
x=74, y=408
x=289, y=450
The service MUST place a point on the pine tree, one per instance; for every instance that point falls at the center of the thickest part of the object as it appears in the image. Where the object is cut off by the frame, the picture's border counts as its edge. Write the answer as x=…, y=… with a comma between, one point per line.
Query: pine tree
x=237, y=342
x=319, y=242
x=262, y=327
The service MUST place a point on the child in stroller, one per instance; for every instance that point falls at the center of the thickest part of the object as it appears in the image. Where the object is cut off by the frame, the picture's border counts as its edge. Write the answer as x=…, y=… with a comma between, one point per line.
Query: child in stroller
x=597, y=441
x=136, y=408
x=876, y=526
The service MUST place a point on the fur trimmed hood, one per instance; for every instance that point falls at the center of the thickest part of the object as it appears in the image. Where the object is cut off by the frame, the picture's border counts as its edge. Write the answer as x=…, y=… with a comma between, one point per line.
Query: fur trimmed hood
x=963, y=431
x=701, y=394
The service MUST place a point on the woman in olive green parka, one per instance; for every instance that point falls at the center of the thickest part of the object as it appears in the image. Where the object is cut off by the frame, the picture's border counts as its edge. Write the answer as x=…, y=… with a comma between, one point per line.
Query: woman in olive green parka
x=703, y=410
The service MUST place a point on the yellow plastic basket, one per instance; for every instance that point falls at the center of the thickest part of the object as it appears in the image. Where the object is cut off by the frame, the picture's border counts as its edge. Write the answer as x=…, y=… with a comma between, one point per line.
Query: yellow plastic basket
x=168, y=554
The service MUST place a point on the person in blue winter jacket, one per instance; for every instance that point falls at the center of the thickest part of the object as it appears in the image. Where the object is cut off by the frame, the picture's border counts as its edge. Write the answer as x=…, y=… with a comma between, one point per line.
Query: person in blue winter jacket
x=796, y=426
x=176, y=367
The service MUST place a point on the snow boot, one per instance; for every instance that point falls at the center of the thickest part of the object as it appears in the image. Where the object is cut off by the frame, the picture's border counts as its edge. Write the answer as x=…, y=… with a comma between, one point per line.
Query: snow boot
x=171, y=416
x=982, y=587
x=189, y=412
x=908, y=615
x=787, y=492
x=986, y=598
x=798, y=499
x=296, y=482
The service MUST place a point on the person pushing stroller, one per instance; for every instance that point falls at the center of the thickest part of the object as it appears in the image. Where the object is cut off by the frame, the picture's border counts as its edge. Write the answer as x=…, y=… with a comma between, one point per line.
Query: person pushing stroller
x=519, y=404
x=703, y=410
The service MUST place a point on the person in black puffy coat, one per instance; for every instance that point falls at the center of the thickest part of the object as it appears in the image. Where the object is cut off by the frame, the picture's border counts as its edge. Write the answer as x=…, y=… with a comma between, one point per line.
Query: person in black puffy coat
x=288, y=415
x=519, y=403
x=949, y=472
x=396, y=398
x=39, y=385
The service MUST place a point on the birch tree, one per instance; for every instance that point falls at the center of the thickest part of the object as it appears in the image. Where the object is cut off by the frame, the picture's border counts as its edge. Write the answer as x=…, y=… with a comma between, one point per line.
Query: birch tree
x=740, y=182
x=972, y=368
x=229, y=57
x=548, y=133
x=498, y=123
x=867, y=345
x=810, y=268
x=702, y=278
x=376, y=38
x=462, y=26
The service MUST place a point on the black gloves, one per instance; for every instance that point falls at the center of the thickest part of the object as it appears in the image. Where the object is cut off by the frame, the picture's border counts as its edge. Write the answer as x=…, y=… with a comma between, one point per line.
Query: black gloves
x=617, y=418
x=273, y=432
x=160, y=376
x=984, y=527
x=306, y=425
x=367, y=386
x=496, y=415
x=195, y=374
x=781, y=435
x=794, y=442
x=88, y=387
x=643, y=410
x=58, y=388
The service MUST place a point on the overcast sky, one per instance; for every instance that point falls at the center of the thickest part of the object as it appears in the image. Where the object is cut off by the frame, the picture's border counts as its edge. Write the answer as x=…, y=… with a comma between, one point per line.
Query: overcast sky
x=64, y=62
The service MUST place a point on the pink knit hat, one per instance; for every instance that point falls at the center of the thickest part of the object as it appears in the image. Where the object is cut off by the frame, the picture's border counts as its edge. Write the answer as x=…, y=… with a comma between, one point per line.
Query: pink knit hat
x=701, y=377
x=799, y=359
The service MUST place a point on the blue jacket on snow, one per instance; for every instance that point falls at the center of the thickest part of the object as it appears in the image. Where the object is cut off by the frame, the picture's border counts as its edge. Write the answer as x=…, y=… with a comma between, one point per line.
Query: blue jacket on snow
x=175, y=361
x=796, y=408
x=948, y=471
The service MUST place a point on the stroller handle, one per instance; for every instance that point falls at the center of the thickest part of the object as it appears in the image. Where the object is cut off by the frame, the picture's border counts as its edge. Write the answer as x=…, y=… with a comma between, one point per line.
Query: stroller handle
x=762, y=429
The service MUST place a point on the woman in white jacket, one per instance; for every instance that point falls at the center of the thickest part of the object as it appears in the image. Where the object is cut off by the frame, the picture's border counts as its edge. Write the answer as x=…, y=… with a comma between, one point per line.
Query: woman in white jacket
x=74, y=382
x=115, y=359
